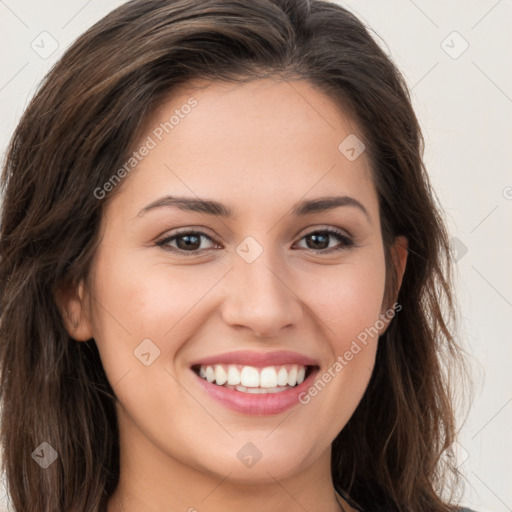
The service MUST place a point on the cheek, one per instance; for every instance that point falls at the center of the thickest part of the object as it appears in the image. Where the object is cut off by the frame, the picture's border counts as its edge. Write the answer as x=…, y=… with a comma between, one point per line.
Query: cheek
x=134, y=300
x=348, y=300
x=346, y=297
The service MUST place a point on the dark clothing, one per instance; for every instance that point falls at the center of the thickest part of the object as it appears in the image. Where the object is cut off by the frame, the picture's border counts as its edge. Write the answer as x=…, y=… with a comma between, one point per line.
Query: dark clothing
x=357, y=507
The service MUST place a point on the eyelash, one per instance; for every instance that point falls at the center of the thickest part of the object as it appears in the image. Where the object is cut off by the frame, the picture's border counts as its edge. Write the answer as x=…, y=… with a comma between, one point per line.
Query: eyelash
x=346, y=242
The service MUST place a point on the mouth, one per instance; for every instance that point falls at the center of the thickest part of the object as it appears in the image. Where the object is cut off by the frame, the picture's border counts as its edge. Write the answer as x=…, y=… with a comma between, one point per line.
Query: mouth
x=255, y=390
x=255, y=380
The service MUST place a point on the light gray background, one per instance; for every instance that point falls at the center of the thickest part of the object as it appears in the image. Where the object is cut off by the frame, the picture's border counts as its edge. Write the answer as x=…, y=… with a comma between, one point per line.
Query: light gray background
x=464, y=102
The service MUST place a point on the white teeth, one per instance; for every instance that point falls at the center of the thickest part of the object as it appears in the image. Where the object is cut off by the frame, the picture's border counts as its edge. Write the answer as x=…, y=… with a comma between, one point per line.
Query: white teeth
x=220, y=375
x=268, y=377
x=233, y=375
x=301, y=374
x=282, y=377
x=249, y=379
x=260, y=391
x=210, y=374
x=292, y=376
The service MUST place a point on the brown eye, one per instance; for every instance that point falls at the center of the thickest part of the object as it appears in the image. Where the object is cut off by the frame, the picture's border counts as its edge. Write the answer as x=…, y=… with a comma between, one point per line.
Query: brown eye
x=186, y=241
x=320, y=240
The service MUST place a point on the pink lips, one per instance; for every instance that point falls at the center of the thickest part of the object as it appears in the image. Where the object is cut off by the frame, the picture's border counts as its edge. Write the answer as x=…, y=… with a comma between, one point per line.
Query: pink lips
x=257, y=404
x=258, y=359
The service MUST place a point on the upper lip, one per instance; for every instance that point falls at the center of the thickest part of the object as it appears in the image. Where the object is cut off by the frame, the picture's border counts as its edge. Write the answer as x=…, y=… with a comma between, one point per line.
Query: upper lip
x=257, y=359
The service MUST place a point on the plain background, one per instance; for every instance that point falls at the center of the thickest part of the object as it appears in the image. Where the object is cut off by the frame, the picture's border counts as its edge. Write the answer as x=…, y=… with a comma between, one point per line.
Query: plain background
x=456, y=58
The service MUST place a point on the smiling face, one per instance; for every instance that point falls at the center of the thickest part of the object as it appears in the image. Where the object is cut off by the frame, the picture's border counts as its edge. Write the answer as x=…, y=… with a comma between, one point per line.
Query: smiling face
x=265, y=265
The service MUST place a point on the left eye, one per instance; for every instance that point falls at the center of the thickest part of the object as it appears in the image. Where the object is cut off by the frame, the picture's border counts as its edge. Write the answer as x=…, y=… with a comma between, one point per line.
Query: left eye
x=186, y=241
x=189, y=241
x=321, y=237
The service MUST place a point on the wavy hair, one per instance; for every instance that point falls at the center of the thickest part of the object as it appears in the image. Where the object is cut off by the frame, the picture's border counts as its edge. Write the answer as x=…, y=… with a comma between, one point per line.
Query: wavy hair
x=83, y=122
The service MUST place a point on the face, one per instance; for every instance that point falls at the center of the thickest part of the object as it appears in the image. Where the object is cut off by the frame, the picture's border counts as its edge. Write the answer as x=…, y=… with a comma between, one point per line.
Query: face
x=280, y=275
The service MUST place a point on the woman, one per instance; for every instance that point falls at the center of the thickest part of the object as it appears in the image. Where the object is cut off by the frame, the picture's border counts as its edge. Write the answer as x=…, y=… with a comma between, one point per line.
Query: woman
x=225, y=278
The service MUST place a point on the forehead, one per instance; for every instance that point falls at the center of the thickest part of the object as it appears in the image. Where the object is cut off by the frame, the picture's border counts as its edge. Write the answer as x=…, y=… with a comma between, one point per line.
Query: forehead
x=248, y=145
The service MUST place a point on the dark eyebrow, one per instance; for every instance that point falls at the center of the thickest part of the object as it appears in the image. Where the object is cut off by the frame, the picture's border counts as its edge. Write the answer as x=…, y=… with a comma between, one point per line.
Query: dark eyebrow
x=211, y=207
x=323, y=204
x=191, y=205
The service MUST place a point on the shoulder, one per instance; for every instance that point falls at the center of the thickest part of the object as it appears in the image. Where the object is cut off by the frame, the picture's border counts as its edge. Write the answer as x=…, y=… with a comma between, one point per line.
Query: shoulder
x=460, y=509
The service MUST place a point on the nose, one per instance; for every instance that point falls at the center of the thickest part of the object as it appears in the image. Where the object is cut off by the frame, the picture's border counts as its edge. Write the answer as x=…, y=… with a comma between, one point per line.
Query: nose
x=259, y=298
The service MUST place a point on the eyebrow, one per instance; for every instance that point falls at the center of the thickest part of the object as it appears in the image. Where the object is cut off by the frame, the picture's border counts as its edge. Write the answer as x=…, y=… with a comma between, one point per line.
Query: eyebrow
x=211, y=207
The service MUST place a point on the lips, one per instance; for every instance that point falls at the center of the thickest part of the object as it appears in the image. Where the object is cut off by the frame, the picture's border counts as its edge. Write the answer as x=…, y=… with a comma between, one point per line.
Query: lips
x=256, y=382
x=258, y=359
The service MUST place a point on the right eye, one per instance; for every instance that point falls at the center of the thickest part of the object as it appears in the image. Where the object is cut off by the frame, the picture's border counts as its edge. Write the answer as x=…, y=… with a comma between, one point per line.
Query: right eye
x=186, y=242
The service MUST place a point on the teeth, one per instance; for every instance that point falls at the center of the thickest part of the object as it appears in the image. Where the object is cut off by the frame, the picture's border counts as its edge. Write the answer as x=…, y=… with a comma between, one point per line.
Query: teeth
x=292, y=376
x=260, y=391
x=250, y=379
x=233, y=375
x=282, y=377
x=210, y=374
x=220, y=375
x=268, y=377
x=301, y=374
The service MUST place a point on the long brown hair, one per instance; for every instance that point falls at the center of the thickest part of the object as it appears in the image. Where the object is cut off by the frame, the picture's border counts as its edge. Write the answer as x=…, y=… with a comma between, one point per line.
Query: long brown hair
x=82, y=124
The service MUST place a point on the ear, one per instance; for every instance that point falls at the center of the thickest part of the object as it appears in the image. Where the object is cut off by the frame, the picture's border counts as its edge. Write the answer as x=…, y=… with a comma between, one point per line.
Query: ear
x=70, y=300
x=399, y=253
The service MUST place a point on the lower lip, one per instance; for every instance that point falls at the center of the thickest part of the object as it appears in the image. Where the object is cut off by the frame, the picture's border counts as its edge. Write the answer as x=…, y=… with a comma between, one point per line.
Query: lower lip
x=256, y=404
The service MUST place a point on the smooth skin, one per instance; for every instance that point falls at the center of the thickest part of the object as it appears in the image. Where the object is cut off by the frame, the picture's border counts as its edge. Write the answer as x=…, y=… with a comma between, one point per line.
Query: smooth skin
x=259, y=148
